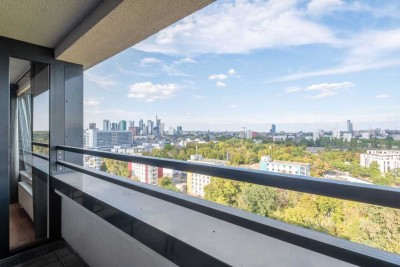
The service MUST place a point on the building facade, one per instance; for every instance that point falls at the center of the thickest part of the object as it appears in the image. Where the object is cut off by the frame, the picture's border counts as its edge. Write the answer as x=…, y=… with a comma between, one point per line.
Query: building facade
x=336, y=134
x=296, y=168
x=349, y=126
x=106, y=125
x=196, y=182
x=145, y=173
x=122, y=125
x=273, y=130
x=97, y=138
x=387, y=159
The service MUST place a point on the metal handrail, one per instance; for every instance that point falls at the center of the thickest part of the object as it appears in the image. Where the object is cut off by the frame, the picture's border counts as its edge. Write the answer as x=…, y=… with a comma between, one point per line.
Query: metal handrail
x=364, y=193
x=40, y=144
x=312, y=240
x=38, y=155
x=41, y=156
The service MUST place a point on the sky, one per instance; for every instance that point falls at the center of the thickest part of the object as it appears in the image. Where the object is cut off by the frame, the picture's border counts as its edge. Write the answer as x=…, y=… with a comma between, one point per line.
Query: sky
x=302, y=65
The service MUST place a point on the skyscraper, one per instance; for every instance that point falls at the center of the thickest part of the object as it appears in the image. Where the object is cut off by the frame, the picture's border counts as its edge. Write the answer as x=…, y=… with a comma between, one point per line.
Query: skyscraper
x=157, y=126
x=92, y=126
x=162, y=128
x=273, y=130
x=150, y=126
x=122, y=125
x=141, y=126
x=106, y=125
x=179, y=130
x=114, y=126
x=349, y=126
x=131, y=124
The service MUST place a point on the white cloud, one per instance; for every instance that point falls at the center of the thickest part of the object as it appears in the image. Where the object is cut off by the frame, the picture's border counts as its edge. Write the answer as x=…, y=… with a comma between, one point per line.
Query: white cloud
x=232, y=72
x=330, y=86
x=233, y=106
x=185, y=60
x=221, y=84
x=351, y=68
x=319, y=7
x=293, y=89
x=149, y=60
x=217, y=77
x=91, y=102
x=217, y=29
x=170, y=70
x=324, y=94
x=150, y=92
x=365, y=51
x=104, y=82
x=383, y=96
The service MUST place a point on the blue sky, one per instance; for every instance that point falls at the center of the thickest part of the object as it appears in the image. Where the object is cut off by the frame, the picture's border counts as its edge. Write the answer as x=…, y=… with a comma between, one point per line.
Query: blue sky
x=303, y=65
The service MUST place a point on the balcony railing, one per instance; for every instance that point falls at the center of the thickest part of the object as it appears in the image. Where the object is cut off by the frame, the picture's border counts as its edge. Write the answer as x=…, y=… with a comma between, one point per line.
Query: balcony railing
x=40, y=155
x=312, y=240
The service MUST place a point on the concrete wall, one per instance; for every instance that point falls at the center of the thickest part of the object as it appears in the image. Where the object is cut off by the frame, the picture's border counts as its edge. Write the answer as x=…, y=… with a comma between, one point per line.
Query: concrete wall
x=101, y=244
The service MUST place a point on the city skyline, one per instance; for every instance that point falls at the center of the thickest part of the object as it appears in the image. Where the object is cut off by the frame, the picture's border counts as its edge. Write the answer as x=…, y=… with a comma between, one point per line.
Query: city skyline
x=273, y=128
x=203, y=78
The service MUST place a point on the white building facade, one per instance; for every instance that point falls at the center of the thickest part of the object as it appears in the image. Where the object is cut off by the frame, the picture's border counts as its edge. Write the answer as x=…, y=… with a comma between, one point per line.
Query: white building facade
x=196, y=182
x=145, y=173
x=387, y=159
x=296, y=168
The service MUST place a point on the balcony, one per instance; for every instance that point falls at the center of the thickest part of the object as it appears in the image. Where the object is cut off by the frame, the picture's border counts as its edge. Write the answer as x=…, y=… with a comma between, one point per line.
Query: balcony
x=188, y=231
x=77, y=216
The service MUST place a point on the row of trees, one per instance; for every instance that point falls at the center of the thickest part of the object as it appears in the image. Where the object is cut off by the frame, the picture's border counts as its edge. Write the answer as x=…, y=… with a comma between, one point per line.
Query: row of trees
x=370, y=225
x=244, y=152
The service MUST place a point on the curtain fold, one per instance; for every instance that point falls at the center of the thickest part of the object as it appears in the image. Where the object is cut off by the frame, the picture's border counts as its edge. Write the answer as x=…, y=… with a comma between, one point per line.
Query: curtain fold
x=25, y=129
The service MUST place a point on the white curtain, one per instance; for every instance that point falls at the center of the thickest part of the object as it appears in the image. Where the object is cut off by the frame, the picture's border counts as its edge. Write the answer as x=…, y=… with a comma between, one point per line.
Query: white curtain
x=25, y=128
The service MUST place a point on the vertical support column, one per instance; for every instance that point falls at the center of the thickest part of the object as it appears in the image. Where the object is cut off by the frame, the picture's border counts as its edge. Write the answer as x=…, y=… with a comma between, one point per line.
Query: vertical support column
x=66, y=128
x=4, y=153
x=57, y=130
x=74, y=110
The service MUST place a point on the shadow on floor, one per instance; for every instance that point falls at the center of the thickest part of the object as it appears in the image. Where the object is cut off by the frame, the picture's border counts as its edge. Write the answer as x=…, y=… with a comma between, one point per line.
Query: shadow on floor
x=51, y=255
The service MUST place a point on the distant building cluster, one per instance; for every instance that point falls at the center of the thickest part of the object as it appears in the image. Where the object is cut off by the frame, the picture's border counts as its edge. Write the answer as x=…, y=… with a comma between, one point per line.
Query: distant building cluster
x=387, y=159
x=127, y=138
x=124, y=133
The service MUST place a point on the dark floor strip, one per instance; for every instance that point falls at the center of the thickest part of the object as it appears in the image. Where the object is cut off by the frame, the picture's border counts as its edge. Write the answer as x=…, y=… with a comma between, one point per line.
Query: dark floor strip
x=53, y=255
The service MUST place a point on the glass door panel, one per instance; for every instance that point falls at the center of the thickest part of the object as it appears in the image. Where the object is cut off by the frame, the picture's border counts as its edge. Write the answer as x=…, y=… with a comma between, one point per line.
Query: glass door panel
x=29, y=138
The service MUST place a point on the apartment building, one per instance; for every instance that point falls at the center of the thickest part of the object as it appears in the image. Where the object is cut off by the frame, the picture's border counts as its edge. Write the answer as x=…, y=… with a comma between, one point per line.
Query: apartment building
x=145, y=173
x=297, y=168
x=196, y=182
x=387, y=159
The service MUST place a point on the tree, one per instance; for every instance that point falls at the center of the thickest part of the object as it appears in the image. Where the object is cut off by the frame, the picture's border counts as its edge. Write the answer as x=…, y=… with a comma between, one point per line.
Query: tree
x=116, y=167
x=257, y=199
x=103, y=166
x=377, y=177
x=223, y=191
x=166, y=182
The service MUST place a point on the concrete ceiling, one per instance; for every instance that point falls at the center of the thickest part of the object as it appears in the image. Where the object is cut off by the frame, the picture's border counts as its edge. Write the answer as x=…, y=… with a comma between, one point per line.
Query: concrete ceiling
x=88, y=32
x=18, y=68
x=42, y=22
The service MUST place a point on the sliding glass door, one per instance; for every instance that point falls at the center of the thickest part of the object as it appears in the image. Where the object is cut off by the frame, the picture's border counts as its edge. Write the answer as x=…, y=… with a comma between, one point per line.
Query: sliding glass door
x=29, y=165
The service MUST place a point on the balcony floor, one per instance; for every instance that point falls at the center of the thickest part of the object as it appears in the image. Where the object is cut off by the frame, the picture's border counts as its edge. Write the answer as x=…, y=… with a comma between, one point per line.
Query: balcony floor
x=22, y=229
x=51, y=255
